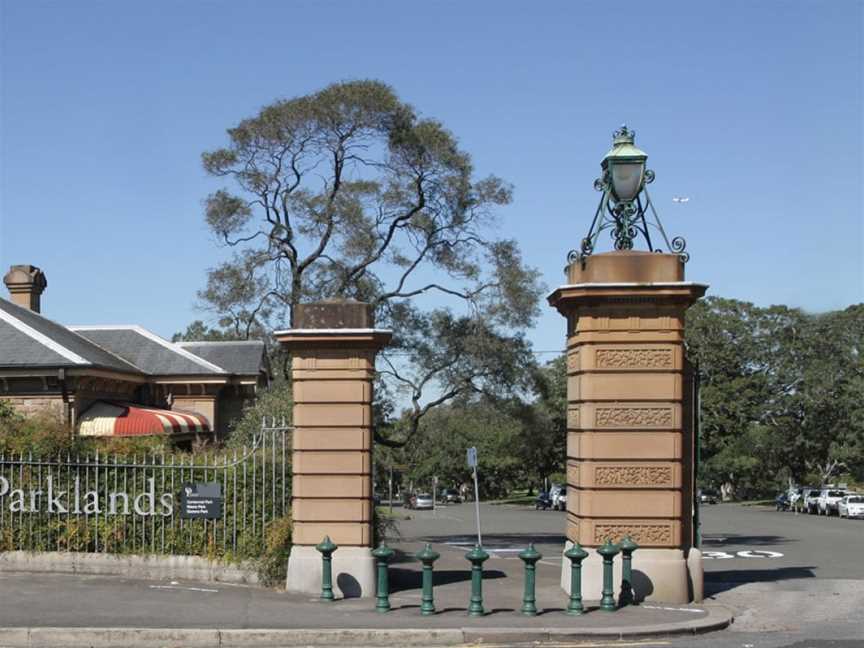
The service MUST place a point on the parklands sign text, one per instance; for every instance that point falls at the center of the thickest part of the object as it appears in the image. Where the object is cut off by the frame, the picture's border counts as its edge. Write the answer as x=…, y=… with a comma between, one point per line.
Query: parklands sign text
x=89, y=503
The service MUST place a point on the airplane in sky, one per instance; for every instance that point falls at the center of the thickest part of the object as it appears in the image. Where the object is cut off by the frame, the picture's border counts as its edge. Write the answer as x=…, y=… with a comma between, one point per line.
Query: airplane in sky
x=681, y=199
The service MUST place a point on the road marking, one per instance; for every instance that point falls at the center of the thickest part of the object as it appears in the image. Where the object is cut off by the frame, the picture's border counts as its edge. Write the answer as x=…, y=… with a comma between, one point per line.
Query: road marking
x=759, y=553
x=189, y=589
x=716, y=555
x=747, y=553
x=673, y=609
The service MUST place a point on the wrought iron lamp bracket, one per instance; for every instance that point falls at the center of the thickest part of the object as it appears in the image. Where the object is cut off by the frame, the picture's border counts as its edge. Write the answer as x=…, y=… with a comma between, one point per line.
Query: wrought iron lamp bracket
x=625, y=221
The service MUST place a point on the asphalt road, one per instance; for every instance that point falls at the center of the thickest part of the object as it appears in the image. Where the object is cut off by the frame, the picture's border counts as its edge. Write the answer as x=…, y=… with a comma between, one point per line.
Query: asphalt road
x=793, y=580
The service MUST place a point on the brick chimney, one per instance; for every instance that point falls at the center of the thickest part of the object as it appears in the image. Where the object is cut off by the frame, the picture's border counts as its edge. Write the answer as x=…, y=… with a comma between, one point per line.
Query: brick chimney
x=25, y=284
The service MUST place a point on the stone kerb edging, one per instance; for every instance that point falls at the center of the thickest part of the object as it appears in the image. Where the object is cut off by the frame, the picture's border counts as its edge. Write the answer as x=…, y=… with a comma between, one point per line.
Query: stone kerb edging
x=132, y=566
x=718, y=618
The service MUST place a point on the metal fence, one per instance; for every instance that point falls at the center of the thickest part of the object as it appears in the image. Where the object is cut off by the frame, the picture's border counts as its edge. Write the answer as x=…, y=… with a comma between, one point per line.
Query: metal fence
x=121, y=504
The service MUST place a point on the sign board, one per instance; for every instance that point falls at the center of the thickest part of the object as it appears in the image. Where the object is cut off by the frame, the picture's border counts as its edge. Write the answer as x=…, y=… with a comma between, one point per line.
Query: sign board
x=202, y=500
x=472, y=457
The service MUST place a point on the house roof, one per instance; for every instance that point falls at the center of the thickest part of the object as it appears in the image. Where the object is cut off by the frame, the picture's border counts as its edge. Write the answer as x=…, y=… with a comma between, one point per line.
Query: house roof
x=242, y=357
x=152, y=354
x=28, y=339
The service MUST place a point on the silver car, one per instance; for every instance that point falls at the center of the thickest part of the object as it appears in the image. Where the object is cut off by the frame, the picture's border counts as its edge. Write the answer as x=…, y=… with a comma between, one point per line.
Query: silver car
x=423, y=501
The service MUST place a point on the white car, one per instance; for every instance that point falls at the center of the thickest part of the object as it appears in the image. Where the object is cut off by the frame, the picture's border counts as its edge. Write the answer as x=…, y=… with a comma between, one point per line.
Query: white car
x=851, y=506
x=828, y=499
x=811, y=500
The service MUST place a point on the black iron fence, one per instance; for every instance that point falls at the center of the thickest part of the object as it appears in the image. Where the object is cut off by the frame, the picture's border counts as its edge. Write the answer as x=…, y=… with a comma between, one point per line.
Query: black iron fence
x=148, y=503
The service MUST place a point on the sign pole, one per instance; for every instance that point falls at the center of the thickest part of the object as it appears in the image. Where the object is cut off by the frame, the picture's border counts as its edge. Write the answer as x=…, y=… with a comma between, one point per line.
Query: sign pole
x=477, y=506
x=472, y=462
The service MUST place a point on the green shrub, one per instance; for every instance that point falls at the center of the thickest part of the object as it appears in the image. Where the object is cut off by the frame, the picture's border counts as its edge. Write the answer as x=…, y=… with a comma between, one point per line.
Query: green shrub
x=273, y=563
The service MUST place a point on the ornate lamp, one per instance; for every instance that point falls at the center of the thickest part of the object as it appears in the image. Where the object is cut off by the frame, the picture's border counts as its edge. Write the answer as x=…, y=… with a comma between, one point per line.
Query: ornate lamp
x=625, y=202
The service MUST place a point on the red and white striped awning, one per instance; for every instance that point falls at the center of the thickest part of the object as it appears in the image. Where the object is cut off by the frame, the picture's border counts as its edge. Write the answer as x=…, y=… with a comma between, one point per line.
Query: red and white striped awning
x=104, y=418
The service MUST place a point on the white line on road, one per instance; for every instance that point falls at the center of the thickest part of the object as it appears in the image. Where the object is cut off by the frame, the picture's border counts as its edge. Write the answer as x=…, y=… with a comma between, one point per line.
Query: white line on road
x=673, y=609
x=189, y=589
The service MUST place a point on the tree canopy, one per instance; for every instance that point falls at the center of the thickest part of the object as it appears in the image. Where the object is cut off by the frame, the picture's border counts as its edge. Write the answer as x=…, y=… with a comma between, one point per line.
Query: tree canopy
x=781, y=393
x=349, y=193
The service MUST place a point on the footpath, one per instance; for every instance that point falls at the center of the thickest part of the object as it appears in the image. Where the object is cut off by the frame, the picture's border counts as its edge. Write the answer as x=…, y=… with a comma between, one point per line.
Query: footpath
x=73, y=610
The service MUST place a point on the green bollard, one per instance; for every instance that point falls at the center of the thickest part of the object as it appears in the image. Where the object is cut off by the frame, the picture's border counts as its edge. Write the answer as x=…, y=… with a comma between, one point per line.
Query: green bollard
x=327, y=547
x=608, y=551
x=530, y=557
x=477, y=557
x=575, y=554
x=627, y=596
x=427, y=556
x=382, y=555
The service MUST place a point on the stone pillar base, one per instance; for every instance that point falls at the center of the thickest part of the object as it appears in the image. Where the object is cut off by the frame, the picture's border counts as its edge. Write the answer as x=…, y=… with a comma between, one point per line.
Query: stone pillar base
x=697, y=574
x=659, y=575
x=353, y=571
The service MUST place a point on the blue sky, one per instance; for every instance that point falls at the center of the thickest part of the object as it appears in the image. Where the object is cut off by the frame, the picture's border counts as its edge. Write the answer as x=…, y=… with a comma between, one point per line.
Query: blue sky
x=753, y=109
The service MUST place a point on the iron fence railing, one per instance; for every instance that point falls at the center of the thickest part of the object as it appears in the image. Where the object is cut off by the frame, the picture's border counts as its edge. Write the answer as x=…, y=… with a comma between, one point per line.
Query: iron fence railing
x=120, y=504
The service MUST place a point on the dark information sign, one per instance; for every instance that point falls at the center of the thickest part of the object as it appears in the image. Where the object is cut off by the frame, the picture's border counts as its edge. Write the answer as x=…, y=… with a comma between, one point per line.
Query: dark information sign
x=201, y=500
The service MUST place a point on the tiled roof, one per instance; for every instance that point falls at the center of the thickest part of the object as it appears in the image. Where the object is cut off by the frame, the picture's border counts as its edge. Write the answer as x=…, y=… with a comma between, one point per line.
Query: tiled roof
x=242, y=357
x=28, y=339
x=147, y=351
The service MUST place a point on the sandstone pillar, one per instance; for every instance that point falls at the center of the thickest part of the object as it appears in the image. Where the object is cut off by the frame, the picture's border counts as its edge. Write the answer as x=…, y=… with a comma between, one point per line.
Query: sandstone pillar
x=333, y=366
x=629, y=432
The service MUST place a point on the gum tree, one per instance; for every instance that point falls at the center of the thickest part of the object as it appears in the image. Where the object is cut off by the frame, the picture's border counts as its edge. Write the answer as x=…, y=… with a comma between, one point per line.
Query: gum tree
x=349, y=193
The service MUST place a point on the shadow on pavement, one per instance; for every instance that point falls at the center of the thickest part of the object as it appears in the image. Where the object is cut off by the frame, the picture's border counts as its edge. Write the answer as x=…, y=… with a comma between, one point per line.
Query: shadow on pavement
x=499, y=539
x=723, y=539
x=722, y=581
x=410, y=579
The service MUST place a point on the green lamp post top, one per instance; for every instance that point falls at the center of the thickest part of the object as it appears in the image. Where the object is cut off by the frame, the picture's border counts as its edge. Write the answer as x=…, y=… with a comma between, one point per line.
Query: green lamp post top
x=427, y=554
x=383, y=552
x=326, y=545
x=608, y=550
x=530, y=554
x=576, y=552
x=627, y=545
x=626, y=211
x=624, y=148
x=477, y=554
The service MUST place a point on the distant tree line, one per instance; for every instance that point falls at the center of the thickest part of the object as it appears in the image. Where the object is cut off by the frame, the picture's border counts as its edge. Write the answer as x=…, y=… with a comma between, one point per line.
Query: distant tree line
x=782, y=399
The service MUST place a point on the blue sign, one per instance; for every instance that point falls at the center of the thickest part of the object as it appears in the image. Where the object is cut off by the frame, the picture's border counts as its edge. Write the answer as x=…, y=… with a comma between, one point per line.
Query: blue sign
x=472, y=457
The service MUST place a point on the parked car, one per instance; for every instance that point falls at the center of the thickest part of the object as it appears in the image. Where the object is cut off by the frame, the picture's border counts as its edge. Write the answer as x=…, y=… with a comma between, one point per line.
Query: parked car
x=851, y=506
x=708, y=496
x=451, y=496
x=828, y=499
x=423, y=501
x=782, y=502
x=543, y=502
x=811, y=501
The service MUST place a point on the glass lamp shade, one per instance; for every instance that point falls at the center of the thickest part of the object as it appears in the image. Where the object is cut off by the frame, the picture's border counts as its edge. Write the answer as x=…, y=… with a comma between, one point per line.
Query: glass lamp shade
x=626, y=178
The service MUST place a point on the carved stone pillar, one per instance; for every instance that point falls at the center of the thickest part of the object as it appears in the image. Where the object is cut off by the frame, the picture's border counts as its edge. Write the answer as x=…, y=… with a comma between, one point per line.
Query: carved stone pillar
x=629, y=437
x=333, y=367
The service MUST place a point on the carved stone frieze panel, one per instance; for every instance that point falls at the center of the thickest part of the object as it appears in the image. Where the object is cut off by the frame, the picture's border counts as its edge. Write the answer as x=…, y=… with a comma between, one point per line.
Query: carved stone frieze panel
x=633, y=476
x=641, y=534
x=619, y=416
x=612, y=358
